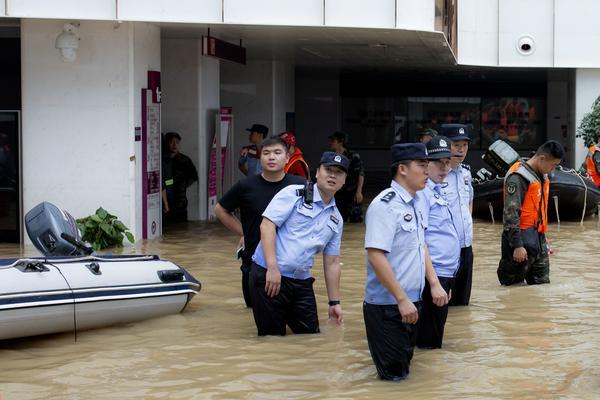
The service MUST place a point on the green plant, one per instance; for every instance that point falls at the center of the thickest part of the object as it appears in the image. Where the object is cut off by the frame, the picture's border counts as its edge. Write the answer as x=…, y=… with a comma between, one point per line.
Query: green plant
x=589, y=127
x=103, y=230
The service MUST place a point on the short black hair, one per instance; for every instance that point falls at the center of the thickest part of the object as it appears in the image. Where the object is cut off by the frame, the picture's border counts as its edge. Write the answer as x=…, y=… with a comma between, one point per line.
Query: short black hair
x=171, y=135
x=394, y=167
x=551, y=149
x=274, y=140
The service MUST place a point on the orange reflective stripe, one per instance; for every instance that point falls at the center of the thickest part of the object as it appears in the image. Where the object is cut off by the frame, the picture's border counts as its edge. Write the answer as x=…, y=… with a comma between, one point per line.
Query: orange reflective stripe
x=591, y=166
x=293, y=159
x=530, y=209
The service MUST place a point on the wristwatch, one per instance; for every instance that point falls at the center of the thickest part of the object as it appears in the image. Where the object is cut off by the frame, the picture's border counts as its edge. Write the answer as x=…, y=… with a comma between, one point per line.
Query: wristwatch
x=333, y=303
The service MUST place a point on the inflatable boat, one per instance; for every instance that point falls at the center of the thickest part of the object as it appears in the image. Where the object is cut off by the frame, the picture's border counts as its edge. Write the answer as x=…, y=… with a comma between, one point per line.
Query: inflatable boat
x=573, y=196
x=73, y=292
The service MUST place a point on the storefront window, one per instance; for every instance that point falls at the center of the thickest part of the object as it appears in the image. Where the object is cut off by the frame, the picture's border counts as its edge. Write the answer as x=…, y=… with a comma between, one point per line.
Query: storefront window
x=517, y=120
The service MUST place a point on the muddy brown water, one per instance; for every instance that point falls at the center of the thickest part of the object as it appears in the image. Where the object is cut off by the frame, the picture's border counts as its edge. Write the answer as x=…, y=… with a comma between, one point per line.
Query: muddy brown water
x=519, y=342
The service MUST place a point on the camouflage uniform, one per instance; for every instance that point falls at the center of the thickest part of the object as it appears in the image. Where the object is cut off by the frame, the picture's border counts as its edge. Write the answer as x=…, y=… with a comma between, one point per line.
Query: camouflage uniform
x=536, y=269
x=344, y=198
x=179, y=174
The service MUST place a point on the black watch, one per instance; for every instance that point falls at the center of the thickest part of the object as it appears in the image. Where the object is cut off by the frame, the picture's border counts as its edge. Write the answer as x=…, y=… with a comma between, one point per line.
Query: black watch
x=333, y=303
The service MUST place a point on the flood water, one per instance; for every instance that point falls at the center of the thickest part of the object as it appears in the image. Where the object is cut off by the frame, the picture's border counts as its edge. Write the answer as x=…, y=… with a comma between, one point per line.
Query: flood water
x=523, y=342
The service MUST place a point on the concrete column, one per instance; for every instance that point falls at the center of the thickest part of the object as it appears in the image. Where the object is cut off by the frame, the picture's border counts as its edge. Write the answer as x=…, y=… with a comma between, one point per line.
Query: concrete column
x=190, y=102
x=79, y=117
x=260, y=92
x=587, y=90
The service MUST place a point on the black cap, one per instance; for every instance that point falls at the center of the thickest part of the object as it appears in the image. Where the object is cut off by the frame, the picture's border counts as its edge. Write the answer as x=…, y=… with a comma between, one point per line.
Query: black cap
x=170, y=135
x=258, y=128
x=409, y=151
x=333, y=159
x=439, y=147
x=455, y=132
x=341, y=137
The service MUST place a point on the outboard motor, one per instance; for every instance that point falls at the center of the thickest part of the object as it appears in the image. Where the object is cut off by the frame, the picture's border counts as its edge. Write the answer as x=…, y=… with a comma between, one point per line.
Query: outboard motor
x=54, y=232
x=500, y=156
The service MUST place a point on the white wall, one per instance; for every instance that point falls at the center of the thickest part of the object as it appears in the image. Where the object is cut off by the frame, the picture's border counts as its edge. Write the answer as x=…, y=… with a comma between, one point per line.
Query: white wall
x=587, y=90
x=577, y=42
x=88, y=9
x=78, y=117
x=416, y=15
x=478, y=32
x=532, y=18
x=273, y=12
x=190, y=102
x=360, y=13
x=170, y=10
x=260, y=92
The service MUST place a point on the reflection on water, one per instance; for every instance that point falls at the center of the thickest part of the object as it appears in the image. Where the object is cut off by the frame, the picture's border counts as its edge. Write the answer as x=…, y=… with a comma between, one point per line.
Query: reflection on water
x=518, y=342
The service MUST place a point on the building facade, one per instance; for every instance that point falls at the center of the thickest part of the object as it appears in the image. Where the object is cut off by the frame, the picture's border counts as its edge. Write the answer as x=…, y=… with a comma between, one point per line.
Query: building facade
x=526, y=70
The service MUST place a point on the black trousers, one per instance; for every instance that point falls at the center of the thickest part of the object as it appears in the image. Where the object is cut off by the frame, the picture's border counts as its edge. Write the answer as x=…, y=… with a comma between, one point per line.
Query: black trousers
x=245, y=268
x=294, y=306
x=391, y=342
x=535, y=270
x=461, y=293
x=433, y=318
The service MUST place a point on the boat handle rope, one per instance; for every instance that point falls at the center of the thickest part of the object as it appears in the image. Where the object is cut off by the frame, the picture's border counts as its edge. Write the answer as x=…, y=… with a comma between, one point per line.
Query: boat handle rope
x=77, y=259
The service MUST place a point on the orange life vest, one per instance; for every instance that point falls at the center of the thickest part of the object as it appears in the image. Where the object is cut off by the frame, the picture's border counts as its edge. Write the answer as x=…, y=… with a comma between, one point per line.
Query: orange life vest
x=531, y=215
x=297, y=157
x=591, y=166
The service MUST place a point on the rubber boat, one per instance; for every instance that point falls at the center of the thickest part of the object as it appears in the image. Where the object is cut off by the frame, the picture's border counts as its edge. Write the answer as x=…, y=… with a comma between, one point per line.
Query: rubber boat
x=573, y=196
x=74, y=291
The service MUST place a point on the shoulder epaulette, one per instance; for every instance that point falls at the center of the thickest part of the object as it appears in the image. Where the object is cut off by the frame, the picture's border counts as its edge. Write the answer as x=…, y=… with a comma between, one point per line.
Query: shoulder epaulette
x=388, y=196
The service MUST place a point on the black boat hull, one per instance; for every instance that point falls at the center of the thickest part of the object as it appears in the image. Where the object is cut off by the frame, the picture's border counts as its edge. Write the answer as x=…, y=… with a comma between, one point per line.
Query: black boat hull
x=572, y=192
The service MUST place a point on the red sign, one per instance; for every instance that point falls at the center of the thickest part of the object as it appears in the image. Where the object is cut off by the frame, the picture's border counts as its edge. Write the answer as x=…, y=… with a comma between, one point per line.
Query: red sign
x=211, y=46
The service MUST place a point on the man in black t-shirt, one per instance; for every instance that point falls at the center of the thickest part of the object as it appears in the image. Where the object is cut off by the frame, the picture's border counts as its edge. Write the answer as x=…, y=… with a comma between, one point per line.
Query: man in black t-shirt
x=252, y=195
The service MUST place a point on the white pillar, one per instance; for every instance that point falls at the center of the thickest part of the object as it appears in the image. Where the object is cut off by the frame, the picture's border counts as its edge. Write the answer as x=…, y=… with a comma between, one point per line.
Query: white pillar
x=587, y=90
x=78, y=118
x=190, y=101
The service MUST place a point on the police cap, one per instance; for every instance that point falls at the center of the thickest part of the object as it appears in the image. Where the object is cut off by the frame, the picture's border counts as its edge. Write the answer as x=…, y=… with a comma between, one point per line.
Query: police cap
x=333, y=159
x=409, y=151
x=455, y=132
x=439, y=147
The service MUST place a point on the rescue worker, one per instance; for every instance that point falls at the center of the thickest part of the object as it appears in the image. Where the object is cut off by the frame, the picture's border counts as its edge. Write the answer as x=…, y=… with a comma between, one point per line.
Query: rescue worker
x=592, y=162
x=442, y=241
x=300, y=221
x=296, y=165
x=525, y=217
x=349, y=197
x=398, y=264
x=251, y=196
x=459, y=192
x=182, y=174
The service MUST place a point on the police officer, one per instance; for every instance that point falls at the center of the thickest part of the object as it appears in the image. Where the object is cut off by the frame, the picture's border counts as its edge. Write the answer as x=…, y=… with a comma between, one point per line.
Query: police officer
x=442, y=241
x=398, y=264
x=298, y=223
x=460, y=195
x=525, y=218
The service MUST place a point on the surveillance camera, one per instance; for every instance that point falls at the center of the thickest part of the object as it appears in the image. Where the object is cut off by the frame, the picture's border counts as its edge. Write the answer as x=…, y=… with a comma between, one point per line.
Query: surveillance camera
x=68, y=43
x=526, y=45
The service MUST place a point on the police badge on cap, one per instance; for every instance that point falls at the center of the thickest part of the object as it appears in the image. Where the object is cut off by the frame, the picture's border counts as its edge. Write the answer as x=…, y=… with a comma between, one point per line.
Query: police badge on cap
x=455, y=132
x=332, y=159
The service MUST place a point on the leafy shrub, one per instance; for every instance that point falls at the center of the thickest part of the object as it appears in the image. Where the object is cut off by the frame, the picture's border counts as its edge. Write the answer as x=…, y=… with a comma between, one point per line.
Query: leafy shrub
x=103, y=230
x=589, y=127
